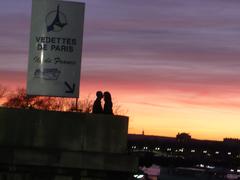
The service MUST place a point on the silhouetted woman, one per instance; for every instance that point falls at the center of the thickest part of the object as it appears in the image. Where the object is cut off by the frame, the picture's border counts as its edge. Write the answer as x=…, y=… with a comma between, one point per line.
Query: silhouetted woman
x=108, y=103
x=97, y=105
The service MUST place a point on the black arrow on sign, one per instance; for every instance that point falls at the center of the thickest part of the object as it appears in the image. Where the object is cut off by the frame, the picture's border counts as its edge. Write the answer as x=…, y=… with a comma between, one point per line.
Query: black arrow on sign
x=70, y=89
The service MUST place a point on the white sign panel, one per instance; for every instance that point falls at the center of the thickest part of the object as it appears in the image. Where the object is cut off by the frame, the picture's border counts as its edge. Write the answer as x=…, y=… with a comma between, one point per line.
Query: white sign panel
x=55, y=48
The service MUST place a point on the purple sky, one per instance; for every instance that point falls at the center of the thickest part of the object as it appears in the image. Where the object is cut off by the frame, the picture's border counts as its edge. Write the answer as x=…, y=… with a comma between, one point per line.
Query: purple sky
x=165, y=34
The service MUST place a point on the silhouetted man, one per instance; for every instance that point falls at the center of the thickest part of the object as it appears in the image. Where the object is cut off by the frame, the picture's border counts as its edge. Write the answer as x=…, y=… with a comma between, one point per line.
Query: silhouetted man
x=97, y=105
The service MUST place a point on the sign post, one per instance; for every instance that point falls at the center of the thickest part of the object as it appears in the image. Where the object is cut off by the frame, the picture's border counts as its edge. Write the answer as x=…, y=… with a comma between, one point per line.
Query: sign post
x=55, y=48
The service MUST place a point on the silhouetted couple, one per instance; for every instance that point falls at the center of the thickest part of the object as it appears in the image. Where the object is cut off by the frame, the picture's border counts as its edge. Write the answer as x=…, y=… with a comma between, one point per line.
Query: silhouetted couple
x=97, y=106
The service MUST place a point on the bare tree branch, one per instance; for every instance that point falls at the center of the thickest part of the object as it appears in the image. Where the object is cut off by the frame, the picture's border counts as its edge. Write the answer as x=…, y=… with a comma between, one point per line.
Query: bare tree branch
x=119, y=110
x=3, y=91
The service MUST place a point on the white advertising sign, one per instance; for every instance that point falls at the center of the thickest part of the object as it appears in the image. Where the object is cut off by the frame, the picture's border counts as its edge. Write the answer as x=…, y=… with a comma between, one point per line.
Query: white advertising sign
x=55, y=48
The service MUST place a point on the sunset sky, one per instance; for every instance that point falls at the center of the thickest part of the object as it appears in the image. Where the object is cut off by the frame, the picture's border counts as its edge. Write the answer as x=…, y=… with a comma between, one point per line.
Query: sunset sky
x=174, y=65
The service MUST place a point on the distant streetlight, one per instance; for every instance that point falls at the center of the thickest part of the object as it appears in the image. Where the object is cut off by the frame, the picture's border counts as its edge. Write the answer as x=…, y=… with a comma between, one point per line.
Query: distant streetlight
x=138, y=176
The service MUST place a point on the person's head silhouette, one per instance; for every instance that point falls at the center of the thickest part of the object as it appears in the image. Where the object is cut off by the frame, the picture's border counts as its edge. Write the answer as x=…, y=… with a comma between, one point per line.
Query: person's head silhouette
x=99, y=94
x=107, y=96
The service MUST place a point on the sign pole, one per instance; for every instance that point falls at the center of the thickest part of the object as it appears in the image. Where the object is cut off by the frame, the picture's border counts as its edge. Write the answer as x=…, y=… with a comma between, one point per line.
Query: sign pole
x=76, y=104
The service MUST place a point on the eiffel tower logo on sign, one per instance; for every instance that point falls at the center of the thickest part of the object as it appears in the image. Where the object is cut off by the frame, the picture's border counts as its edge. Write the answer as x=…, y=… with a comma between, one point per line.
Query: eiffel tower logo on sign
x=56, y=20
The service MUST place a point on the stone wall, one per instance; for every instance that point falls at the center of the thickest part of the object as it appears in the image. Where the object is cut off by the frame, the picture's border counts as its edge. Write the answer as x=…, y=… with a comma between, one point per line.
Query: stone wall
x=38, y=144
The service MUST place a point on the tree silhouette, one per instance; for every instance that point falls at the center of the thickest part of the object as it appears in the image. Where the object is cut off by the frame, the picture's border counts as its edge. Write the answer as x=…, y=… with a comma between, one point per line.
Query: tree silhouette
x=19, y=99
x=3, y=91
x=84, y=105
x=118, y=109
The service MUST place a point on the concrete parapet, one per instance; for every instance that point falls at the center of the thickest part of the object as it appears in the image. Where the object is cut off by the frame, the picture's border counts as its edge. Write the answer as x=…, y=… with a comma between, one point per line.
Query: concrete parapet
x=68, y=144
x=63, y=130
